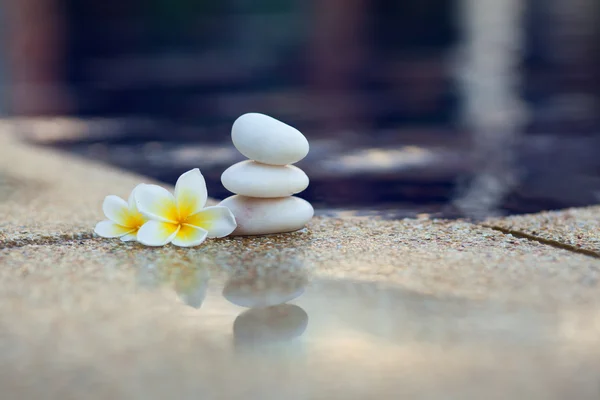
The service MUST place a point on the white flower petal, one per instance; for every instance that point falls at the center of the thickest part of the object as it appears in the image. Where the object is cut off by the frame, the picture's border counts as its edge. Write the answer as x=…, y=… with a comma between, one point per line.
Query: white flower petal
x=131, y=201
x=130, y=237
x=189, y=236
x=156, y=203
x=157, y=233
x=108, y=229
x=217, y=220
x=190, y=193
x=116, y=209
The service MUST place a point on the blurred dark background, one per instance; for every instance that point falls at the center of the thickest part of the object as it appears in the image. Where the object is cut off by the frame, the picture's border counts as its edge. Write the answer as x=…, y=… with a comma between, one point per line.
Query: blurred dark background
x=451, y=107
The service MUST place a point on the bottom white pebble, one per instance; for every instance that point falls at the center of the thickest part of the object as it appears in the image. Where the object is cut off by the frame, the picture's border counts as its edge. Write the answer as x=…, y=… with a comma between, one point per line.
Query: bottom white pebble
x=256, y=216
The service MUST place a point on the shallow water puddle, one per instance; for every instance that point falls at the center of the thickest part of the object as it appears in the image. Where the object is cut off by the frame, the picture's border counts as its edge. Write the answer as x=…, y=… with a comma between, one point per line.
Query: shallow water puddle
x=266, y=301
x=270, y=323
x=281, y=330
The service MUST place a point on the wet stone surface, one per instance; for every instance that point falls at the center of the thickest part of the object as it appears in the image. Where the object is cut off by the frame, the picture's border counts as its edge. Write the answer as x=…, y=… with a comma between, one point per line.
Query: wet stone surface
x=348, y=308
x=356, y=305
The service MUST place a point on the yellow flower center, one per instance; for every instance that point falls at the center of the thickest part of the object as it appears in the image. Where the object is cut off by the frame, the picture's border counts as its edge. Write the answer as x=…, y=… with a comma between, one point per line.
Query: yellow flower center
x=135, y=220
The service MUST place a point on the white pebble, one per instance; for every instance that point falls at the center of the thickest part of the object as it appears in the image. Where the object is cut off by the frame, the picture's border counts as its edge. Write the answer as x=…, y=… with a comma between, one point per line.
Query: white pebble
x=250, y=178
x=264, y=139
x=256, y=216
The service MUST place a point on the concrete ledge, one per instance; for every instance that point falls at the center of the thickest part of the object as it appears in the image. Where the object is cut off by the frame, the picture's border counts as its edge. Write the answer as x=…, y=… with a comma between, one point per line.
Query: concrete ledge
x=50, y=196
x=576, y=229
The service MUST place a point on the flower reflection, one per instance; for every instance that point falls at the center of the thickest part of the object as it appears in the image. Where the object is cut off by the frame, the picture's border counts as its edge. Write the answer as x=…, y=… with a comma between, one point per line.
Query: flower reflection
x=189, y=279
x=192, y=285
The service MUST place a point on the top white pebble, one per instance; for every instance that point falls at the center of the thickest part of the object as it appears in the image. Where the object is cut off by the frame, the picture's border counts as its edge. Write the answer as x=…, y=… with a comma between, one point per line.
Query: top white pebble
x=269, y=141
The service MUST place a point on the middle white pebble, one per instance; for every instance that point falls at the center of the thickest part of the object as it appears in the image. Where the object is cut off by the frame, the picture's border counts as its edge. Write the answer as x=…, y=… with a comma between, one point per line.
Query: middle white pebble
x=264, y=185
x=253, y=179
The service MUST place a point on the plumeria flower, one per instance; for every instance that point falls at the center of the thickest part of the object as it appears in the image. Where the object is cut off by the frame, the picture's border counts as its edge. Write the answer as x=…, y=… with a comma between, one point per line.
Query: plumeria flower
x=124, y=219
x=181, y=219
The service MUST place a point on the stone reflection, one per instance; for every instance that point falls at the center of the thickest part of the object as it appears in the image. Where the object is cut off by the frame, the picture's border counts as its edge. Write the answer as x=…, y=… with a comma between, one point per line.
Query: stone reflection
x=262, y=288
x=270, y=325
x=265, y=286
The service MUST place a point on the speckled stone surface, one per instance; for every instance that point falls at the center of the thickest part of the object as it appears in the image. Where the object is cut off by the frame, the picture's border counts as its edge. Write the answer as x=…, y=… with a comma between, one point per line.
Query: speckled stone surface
x=425, y=309
x=431, y=257
x=577, y=228
x=439, y=308
x=51, y=196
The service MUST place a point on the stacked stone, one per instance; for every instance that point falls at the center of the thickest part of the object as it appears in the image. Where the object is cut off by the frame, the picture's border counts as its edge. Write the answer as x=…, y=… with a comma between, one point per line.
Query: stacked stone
x=265, y=184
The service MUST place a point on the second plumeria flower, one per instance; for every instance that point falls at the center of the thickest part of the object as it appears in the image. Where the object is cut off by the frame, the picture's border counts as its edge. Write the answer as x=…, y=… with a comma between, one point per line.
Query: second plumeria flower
x=181, y=219
x=123, y=218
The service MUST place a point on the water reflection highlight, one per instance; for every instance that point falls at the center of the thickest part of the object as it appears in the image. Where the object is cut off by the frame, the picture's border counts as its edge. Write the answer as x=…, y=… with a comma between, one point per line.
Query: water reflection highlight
x=264, y=284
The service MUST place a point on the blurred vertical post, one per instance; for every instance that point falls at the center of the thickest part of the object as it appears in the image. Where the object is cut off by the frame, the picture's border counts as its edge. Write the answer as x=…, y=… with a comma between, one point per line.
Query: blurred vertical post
x=572, y=28
x=488, y=74
x=3, y=72
x=35, y=32
x=337, y=58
